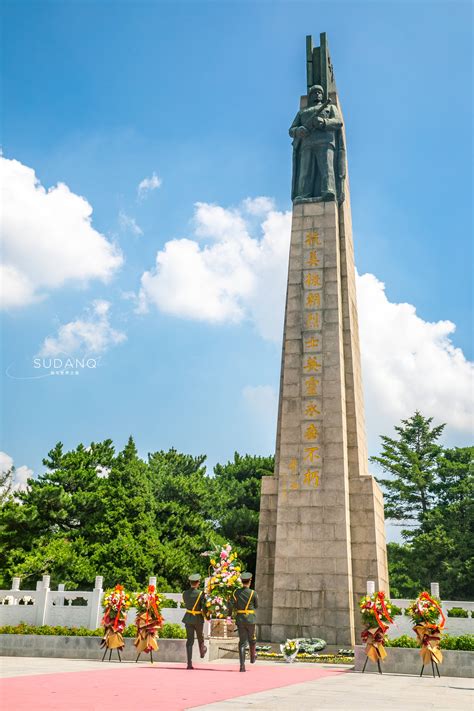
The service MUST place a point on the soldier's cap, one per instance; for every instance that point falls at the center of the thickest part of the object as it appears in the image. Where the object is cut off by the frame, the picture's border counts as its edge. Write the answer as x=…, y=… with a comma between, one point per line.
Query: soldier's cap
x=246, y=576
x=194, y=578
x=314, y=87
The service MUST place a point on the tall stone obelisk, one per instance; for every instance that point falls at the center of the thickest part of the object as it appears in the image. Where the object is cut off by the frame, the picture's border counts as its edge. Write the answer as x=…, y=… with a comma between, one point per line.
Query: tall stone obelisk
x=321, y=531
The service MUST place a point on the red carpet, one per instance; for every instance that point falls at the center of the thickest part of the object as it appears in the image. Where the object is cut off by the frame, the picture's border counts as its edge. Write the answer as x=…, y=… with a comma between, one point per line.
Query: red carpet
x=162, y=687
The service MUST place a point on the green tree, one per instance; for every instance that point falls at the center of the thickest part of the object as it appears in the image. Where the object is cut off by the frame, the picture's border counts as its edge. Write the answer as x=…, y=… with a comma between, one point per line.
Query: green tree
x=125, y=544
x=93, y=511
x=57, y=509
x=433, y=487
x=237, y=487
x=185, y=513
x=6, y=484
x=444, y=539
x=405, y=572
x=412, y=462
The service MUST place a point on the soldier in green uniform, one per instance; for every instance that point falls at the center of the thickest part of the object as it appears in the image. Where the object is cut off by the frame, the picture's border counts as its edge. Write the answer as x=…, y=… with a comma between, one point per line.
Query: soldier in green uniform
x=194, y=617
x=243, y=604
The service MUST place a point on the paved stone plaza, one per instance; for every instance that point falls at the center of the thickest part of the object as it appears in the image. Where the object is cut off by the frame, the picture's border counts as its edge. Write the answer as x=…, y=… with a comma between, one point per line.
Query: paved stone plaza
x=78, y=685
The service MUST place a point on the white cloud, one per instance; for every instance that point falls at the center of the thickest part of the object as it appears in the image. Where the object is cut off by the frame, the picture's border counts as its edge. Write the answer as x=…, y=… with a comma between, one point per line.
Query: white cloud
x=262, y=401
x=258, y=206
x=48, y=238
x=20, y=474
x=90, y=334
x=409, y=364
x=148, y=184
x=6, y=462
x=227, y=275
x=20, y=480
x=129, y=224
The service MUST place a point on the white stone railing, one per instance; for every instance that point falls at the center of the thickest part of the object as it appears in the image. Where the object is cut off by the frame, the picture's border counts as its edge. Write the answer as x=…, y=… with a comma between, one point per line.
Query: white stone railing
x=44, y=606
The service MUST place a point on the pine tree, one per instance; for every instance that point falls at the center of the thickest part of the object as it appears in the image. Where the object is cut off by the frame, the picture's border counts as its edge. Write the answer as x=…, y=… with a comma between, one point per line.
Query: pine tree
x=411, y=460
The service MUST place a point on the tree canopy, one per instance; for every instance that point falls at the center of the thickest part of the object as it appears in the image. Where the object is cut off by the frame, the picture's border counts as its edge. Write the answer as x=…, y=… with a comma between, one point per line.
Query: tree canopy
x=411, y=460
x=94, y=511
x=430, y=489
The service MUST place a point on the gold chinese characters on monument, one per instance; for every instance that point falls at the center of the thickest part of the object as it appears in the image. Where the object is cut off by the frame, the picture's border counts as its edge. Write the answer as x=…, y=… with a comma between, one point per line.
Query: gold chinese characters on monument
x=304, y=472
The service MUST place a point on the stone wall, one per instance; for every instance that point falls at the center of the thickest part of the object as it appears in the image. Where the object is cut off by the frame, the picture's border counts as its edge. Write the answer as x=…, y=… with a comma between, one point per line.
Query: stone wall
x=31, y=645
x=408, y=661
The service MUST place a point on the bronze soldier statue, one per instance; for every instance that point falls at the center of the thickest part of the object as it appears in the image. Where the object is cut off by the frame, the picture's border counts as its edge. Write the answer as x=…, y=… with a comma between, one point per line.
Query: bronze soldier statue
x=316, y=142
x=194, y=618
x=243, y=604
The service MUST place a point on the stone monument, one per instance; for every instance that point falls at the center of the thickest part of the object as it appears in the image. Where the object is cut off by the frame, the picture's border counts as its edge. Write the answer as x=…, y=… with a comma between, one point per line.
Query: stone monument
x=321, y=531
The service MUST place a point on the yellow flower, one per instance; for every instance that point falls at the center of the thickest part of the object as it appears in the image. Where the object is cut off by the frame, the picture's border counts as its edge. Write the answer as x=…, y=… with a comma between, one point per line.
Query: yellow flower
x=213, y=562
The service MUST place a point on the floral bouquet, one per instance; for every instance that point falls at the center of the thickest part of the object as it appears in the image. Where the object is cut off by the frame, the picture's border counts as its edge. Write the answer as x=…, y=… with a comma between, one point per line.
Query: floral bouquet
x=429, y=622
x=289, y=650
x=116, y=603
x=375, y=610
x=148, y=620
x=224, y=579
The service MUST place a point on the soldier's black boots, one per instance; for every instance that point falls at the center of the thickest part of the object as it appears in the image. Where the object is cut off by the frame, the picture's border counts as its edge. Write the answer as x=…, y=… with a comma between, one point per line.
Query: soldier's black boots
x=242, y=657
x=189, y=654
x=202, y=650
x=253, y=652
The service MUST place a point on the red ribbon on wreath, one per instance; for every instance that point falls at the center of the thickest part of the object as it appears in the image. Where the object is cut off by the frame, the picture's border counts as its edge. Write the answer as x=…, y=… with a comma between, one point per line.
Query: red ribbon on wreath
x=428, y=598
x=151, y=602
x=372, y=605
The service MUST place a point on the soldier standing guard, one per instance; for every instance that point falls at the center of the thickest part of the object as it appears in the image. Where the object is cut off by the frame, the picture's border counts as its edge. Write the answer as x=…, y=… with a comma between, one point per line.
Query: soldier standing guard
x=194, y=618
x=244, y=603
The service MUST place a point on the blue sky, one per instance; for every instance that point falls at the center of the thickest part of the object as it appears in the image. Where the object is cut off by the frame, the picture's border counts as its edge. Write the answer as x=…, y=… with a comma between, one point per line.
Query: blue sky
x=100, y=96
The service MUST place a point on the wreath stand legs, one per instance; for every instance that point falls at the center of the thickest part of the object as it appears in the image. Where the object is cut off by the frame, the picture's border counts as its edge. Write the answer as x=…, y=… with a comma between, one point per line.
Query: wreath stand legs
x=434, y=666
x=151, y=657
x=110, y=654
x=378, y=665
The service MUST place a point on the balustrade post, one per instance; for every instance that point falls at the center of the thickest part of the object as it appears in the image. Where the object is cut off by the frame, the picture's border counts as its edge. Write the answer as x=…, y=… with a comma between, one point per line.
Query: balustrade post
x=60, y=600
x=15, y=588
x=95, y=615
x=42, y=600
x=370, y=587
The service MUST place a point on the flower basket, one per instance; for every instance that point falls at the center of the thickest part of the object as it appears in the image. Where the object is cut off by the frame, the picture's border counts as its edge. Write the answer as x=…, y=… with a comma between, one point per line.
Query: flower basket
x=429, y=622
x=148, y=620
x=116, y=603
x=375, y=610
x=223, y=580
x=289, y=650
